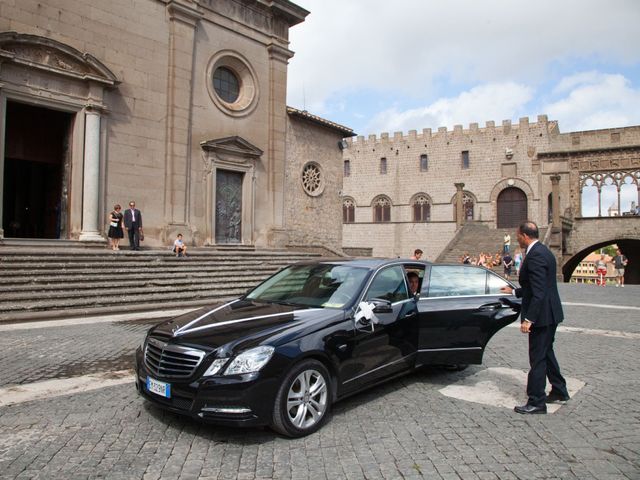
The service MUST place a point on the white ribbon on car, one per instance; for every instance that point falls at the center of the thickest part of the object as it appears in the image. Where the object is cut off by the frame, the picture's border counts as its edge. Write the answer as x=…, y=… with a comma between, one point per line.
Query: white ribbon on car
x=365, y=311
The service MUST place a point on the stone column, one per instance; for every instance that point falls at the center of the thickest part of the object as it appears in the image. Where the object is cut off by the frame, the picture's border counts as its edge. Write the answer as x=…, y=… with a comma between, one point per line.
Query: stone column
x=3, y=113
x=599, y=202
x=555, y=200
x=459, y=205
x=91, y=177
x=183, y=19
x=278, y=60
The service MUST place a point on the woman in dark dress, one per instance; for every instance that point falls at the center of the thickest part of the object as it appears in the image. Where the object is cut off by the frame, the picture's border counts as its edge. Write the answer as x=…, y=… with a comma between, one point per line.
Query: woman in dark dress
x=116, y=231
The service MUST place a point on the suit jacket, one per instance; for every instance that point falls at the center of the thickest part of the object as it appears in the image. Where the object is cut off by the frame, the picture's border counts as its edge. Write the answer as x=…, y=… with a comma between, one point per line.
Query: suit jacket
x=128, y=220
x=539, y=289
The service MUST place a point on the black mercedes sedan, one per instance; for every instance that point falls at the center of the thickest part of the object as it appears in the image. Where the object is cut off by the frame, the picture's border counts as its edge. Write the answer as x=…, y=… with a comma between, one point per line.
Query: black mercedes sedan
x=316, y=332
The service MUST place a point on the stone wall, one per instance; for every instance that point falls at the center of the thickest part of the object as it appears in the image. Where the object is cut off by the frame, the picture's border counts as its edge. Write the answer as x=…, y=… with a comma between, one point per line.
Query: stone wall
x=499, y=156
x=313, y=218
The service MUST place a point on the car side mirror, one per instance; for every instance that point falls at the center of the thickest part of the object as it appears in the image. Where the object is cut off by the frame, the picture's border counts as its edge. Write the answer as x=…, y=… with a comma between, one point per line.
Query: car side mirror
x=381, y=305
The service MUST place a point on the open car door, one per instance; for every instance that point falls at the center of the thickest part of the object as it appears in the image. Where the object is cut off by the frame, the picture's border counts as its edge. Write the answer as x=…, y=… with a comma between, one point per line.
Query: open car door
x=459, y=310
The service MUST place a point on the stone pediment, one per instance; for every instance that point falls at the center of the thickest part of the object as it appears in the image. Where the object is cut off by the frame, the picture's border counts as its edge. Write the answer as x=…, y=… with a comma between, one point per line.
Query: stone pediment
x=47, y=54
x=232, y=147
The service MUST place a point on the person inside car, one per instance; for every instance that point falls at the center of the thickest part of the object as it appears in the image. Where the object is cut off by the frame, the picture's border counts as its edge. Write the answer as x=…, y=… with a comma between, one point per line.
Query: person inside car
x=414, y=282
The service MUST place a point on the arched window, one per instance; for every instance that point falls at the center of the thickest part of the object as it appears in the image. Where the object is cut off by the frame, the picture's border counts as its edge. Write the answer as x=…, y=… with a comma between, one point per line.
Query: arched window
x=467, y=206
x=421, y=208
x=348, y=211
x=381, y=210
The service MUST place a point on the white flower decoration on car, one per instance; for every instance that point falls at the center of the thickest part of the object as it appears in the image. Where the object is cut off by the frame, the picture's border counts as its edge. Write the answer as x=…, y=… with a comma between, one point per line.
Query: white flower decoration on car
x=365, y=311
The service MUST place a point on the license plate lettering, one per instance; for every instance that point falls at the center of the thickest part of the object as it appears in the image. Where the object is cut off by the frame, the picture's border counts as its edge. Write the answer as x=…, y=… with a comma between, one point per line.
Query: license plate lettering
x=159, y=388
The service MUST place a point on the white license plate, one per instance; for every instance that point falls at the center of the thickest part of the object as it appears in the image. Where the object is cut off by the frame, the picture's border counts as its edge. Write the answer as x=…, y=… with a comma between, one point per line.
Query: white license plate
x=159, y=388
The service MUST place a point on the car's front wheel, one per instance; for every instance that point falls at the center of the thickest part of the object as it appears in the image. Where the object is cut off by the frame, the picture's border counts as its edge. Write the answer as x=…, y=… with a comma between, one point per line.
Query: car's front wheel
x=303, y=400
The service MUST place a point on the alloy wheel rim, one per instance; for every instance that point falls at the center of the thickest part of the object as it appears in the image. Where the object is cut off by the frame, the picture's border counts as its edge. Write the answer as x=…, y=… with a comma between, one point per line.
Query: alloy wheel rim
x=307, y=399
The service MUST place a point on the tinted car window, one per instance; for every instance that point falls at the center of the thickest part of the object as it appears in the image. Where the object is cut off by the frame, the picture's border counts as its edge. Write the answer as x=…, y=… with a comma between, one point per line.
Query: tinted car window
x=318, y=285
x=494, y=283
x=389, y=284
x=453, y=280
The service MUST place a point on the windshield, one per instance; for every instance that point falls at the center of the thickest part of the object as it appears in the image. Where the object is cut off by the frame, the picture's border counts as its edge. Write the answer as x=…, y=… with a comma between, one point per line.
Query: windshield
x=316, y=285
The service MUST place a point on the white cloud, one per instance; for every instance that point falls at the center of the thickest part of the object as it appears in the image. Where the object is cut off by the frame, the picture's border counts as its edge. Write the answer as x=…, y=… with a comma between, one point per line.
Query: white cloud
x=419, y=48
x=486, y=102
x=594, y=100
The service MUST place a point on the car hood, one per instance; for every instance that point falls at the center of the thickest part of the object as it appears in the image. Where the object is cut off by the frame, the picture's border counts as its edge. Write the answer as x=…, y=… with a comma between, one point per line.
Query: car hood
x=245, y=322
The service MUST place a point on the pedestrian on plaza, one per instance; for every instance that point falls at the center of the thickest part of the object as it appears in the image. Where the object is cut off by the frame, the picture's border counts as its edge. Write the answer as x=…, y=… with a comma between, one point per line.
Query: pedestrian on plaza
x=179, y=248
x=133, y=225
x=506, y=243
x=619, y=263
x=517, y=261
x=540, y=315
x=466, y=259
x=601, y=271
x=115, y=232
x=507, y=263
x=417, y=254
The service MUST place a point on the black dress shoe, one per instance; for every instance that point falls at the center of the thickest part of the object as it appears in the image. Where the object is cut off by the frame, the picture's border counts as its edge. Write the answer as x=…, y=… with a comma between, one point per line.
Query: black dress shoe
x=530, y=409
x=554, y=397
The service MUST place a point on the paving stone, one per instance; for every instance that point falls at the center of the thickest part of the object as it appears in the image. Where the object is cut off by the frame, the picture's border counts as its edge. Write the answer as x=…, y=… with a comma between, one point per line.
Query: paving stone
x=404, y=428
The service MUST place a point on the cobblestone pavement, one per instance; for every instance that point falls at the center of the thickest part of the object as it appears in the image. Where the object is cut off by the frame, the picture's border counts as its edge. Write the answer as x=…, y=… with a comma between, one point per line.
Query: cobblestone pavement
x=403, y=429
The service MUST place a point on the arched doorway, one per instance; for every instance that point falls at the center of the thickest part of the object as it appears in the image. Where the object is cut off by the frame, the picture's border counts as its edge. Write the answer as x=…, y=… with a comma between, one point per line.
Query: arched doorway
x=512, y=207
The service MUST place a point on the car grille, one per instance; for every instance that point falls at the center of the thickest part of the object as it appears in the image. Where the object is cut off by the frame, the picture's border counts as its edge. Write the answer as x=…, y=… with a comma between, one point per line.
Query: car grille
x=171, y=361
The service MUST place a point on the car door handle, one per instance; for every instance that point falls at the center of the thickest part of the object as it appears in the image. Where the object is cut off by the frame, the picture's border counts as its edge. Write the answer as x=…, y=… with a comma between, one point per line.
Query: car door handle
x=489, y=307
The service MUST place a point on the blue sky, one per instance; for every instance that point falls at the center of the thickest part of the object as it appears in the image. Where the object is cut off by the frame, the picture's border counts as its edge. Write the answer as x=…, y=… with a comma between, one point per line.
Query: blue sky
x=380, y=66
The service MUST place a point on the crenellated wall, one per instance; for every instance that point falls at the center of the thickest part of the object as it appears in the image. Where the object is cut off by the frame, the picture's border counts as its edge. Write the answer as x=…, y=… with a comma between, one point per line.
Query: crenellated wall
x=500, y=157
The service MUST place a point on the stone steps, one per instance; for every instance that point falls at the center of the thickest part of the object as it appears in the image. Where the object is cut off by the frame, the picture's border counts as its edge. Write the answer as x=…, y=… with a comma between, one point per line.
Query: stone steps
x=474, y=238
x=56, y=282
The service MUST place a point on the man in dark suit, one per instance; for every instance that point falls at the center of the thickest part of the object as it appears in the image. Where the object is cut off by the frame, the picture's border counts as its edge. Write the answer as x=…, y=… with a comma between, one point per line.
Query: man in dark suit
x=133, y=225
x=541, y=313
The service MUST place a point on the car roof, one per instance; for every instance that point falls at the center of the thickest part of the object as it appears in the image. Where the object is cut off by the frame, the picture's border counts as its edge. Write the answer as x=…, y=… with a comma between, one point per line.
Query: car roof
x=374, y=263
x=370, y=263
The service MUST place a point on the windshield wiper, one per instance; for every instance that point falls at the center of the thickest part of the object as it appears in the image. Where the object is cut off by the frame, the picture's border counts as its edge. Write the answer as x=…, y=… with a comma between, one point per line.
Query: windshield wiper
x=289, y=304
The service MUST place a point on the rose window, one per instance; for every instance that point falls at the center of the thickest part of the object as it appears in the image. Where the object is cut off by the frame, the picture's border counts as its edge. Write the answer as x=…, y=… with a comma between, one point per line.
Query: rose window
x=312, y=181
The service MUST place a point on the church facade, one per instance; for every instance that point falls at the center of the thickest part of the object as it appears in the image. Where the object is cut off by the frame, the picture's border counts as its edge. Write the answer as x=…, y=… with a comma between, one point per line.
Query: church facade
x=179, y=105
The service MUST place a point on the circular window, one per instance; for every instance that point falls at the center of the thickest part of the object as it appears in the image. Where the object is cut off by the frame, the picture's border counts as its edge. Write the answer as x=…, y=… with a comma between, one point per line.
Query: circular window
x=312, y=180
x=232, y=83
x=226, y=84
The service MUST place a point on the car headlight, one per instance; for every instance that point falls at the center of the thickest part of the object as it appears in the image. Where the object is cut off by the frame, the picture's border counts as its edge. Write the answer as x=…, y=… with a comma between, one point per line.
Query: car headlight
x=215, y=367
x=250, y=361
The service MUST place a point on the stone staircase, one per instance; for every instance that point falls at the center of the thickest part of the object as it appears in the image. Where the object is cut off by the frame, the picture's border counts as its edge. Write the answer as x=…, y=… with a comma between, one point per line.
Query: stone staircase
x=45, y=283
x=475, y=238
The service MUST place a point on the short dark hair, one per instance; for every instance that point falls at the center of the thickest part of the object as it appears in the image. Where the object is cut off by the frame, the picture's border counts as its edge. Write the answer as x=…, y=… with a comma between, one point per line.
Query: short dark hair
x=417, y=251
x=413, y=274
x=530, y=229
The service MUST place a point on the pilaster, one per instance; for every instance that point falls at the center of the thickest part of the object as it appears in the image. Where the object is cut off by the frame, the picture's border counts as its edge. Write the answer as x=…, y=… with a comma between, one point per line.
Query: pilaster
x=183, y=21
x=278, y=60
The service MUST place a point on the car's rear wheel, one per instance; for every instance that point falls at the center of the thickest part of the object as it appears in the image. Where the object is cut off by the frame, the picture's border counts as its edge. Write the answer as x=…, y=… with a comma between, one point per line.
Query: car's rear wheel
x=303, y=400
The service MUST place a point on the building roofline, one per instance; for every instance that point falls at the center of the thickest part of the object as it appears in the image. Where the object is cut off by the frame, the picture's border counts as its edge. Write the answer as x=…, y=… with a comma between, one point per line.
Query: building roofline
x=346, y=131
x=573, y=152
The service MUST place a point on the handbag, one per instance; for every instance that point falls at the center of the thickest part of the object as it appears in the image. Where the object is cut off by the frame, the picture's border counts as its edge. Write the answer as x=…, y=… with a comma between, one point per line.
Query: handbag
x=141, y=234
x=114, y=224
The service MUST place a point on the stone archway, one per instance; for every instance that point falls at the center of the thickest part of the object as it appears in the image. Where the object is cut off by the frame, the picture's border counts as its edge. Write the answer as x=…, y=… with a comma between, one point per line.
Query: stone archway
x=63, y=83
